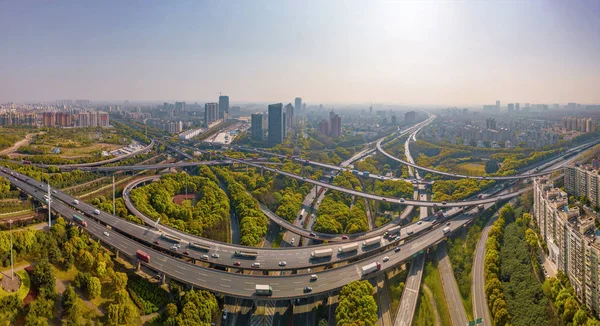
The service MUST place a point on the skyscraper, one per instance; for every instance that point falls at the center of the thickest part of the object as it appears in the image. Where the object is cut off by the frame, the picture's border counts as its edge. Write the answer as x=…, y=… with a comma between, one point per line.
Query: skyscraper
x=497, y=104
x=298, y=106
x=285, y=129
x=289, y=115
x=223, y=106
x=409, y=117
x=276, y=124
x=335, y=121
x=517, y=107
x=256, y=128
x=211, y=113
x=511, y=107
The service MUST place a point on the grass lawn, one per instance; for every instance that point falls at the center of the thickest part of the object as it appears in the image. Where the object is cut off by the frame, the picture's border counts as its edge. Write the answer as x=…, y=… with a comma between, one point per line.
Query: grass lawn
x=277, y=241
x=432, y=278
x=23, y=290
x=470, y=169
x=68, y=275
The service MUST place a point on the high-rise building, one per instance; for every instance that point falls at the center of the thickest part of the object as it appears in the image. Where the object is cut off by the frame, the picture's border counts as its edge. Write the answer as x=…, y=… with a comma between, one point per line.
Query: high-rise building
x=256, y=127
x=335, y=123
x=49, y=119
x=285, y=129
x=223, y=106
x=490, y=123
x=511, y=107
x=179, y=108
x=517, y=107
x=276, y=124
x=289, y=116
x=298, y=106
x=497, y=104
x=324, y=127
x=393, y=120
x=211, y=113
x=410, y=117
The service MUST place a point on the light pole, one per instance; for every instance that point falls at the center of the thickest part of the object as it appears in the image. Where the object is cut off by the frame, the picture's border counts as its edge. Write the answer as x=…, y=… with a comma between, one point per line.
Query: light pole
x=113, y=186
x=49, y=201
x=12, y=266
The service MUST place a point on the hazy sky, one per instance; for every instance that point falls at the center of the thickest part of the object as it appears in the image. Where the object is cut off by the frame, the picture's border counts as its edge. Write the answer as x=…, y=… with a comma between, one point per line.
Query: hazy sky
x=411, y=52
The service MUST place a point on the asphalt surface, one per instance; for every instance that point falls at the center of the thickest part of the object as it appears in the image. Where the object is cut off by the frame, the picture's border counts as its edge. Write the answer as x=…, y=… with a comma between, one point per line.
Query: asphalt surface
x=410, y=294
x=451, y=292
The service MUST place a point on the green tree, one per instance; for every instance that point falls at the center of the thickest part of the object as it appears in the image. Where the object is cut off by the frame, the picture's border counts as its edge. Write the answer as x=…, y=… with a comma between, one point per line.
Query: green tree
x=356, y=304
x=580, y=317
x=94, y=287
x=42, y=276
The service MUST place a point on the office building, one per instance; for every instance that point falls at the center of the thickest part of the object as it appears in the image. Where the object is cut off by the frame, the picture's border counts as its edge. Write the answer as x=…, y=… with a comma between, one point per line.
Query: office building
x=289, y=116
x=211, y=113
x=285, y=129
x=570, y=237
x=298, y=106
x=410, y=117
x=256, y=126
x=579, y=124
x=517, y=107
x=393, y=120
x=511, y=107
x=179, y=108
x=490, y=123
x=276, y=124
x=223, y=107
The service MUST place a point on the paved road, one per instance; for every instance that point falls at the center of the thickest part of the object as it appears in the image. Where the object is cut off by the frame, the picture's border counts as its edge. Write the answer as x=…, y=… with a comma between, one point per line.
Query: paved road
x=451, y=292
x=24, y=141
x=408, y=301
x=383, y=302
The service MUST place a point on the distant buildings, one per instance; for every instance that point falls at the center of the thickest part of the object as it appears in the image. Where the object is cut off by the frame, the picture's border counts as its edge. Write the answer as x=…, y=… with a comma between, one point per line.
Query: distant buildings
x=82, y=119
x=410, y=117
x=186, y=135
x=335, y=123
x=490, y=123
x=571, y=240
x=511, y=107
x=223, y=107
x=289, y=116
x=211, y=113
x=324, y=127
x=394, y=120
x=579, y=124
x=583, y=180
x=256, y=127
x=298, y=106
x=276, y=124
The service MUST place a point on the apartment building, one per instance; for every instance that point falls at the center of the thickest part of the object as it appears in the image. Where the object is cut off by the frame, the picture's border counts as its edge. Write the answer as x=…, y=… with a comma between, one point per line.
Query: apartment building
x=583, y=180
x=571, y=240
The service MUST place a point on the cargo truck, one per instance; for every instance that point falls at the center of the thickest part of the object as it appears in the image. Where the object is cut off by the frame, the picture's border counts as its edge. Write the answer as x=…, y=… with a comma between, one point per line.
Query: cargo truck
x=371, y=242
x=348, y=248
x=392, y=231
x=480, y=207
x=370, y=268
x=143, y=256
x=79, y=219
x=321, y=253
x=446, y=230
x=170, y=238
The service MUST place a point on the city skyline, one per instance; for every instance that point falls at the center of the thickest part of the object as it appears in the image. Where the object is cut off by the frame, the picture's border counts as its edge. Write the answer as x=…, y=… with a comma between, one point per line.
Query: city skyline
x=344, y=52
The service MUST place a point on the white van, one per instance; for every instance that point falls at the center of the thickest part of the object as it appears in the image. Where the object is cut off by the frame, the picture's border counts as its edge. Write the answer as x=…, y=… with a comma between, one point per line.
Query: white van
x=97, y=212
x=314, y=277
x=255, y=265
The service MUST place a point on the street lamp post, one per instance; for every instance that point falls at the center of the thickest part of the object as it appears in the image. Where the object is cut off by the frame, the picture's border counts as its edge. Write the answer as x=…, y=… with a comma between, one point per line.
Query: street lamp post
x=12, y=266
x=49, y=201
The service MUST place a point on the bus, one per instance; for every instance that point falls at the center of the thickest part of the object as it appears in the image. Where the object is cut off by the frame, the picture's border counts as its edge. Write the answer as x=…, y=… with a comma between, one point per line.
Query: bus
x=198, y=246
x=79, y=219
x=264, y=289
x=170, y=238
x=143, y=256
x=248, y=254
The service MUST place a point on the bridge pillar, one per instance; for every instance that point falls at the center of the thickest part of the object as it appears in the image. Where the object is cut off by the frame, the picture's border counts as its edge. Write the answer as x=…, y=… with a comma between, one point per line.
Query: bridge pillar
x=163, y=279
x=262, y=171
x=139, y=266
x=316, y=191
x=116, y=253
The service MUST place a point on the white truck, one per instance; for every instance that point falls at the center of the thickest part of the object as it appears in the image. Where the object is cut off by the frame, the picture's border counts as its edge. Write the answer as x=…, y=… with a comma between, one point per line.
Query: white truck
x=370, y=268
x=371, y=242
x=348, y=248
x=75, y=202
x=97, y=212
x=321, y=253
x=446, y=230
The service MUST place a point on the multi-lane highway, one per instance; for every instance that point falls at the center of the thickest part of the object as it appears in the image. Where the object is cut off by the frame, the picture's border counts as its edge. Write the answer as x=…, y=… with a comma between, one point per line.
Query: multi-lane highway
x=238, y=285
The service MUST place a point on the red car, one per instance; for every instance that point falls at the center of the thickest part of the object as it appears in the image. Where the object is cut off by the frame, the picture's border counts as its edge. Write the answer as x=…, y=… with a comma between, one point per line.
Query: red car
x=237, y=263
x=344, y=237
x=186, y=252
x=156, y=242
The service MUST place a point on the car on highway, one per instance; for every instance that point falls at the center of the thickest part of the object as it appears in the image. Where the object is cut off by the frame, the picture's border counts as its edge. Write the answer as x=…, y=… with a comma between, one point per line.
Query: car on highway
x=312, y=234
x=308, y=289
x=282, y=263
x=448, y=224
x=410, y=232
x=397, y=238
x=419, y=223
x=205, y=257
x=397, y=249
x=174, y=247
x=444, y=203
x=186, y=252
x=383, y=199
x=225, y=314
x=156, y=242
x=293, y=240
x=215, y=255
x=344, y=237
x=106, y=233
x=255, y=265
x=402, y=200
x=386, y=258
x=314, y=277
x=237, y=263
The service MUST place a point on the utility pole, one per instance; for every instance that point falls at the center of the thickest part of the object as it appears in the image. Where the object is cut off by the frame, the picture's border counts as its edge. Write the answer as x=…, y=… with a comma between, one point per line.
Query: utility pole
x=12, y=266
x=113, y=177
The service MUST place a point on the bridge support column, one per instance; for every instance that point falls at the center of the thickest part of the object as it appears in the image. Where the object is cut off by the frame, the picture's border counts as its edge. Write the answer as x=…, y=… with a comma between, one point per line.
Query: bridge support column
x=262, y=171
x=316, y=191
x=116, y=253
x=139, y=266
x=163, y=279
